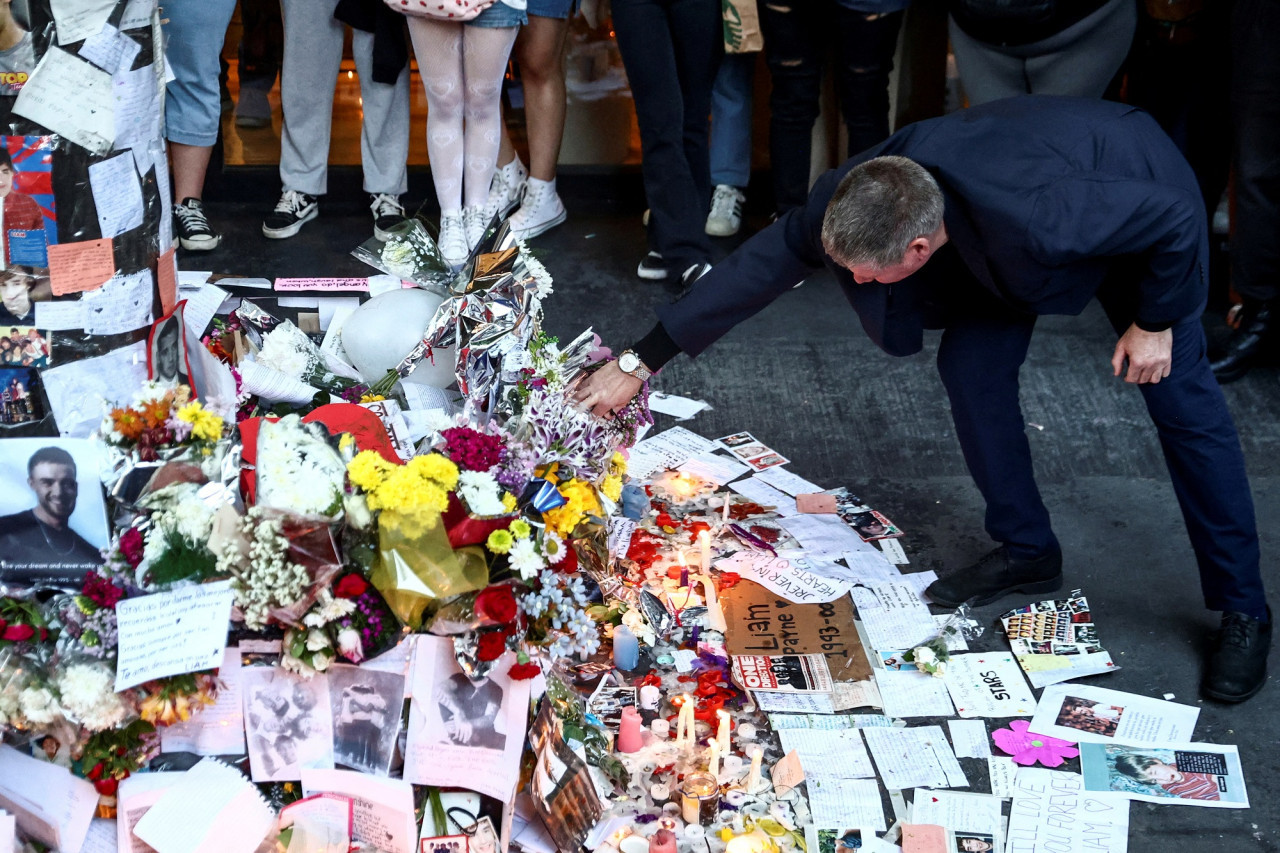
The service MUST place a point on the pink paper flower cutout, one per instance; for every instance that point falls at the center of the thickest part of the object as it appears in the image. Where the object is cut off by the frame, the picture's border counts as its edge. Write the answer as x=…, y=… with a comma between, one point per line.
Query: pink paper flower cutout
x=1027, y=748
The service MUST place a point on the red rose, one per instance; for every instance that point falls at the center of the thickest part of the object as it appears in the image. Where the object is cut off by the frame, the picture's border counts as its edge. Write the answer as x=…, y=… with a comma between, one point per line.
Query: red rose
x=569, y=563
x=18, y=633
x=523, y=671
x=351, y=586
x=496, y=605
x=107, y=787
x=96, y=773
x=492, y=645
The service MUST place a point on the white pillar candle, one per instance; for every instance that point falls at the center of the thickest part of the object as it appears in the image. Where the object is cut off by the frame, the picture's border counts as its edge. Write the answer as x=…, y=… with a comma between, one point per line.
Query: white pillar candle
x=722, y=733
x=725, y=516
x=713, y=760
x=753, y=777
x=715, y=613
x=704, y=544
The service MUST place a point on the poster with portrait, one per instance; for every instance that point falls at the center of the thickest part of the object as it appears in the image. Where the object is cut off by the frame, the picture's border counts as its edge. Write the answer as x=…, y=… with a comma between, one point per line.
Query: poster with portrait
x=167, y=361
x=20, y=400
x=53, y=520
x=1189, y=774
x=459, y=728
x=366, y=705
x=287, y=723
x=28, y=220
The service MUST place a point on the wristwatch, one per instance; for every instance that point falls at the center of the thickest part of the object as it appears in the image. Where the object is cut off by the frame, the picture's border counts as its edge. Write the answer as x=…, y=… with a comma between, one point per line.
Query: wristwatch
x=630, y=363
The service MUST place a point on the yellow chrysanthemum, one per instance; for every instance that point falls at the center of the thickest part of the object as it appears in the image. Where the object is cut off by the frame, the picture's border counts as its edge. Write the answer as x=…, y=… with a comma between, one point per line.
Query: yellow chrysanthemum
x=499, y=541
x=618, y=464
x=582, y=501
x=611, y=488
x=520, y=529
x=433, y=466
x=508, y=502
x=368, y=469
x=205, y=425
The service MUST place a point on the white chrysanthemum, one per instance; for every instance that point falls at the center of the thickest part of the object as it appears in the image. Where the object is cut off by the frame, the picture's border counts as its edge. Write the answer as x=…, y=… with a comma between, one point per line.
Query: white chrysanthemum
x=327, y=609
x=297, y=470
x=38, y=705
x=553, y=547
x=525, y=559
x=88, y=695
x=481, y=493
x=287, y=349
x=317, y=640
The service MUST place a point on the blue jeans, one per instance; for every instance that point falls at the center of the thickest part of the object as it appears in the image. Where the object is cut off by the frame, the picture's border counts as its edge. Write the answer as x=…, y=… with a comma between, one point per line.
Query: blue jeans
x=193, y=103
x=731, y=120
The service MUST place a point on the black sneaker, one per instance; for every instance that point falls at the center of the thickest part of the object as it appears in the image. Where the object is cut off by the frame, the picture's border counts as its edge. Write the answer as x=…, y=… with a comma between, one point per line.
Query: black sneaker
x=995, y=576
x=192, y=227
x=387, y=214
x=293, y=210
x=652, y=268
x=693, y=273
x=1237, y=666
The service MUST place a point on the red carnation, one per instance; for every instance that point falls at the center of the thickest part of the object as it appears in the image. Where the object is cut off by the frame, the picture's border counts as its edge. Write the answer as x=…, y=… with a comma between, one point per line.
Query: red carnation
x=131, y=546
x=491, y=646
x=523, y=671
x=95, y=773
x=351, y=586
x=18, y=633
x=107, y=787
x=496, y=605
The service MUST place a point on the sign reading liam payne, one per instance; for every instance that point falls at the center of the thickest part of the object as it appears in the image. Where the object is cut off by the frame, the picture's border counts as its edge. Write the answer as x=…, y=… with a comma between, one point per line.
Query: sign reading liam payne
x=1053, y=813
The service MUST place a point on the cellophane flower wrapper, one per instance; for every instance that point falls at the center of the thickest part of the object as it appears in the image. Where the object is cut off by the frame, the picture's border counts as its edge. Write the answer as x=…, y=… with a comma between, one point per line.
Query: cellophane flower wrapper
x=129, y=480
x=465, y=528
x=409, y=253
x=417, y=567
x=297, y=469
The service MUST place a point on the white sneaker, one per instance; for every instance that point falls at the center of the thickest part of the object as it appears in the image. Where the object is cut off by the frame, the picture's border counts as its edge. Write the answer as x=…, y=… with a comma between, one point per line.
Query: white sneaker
x=540, y=211
x=726, y=211
x=475, y=220
x=453, y=238
x=507, y=188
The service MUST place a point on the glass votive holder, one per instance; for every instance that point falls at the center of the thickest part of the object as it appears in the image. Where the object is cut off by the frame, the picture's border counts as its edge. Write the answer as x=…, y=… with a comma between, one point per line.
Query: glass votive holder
x=700, y=798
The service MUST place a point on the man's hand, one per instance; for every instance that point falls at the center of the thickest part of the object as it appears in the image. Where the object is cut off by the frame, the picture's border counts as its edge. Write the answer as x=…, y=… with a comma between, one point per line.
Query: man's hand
x=1150, y=355
x=607, y=390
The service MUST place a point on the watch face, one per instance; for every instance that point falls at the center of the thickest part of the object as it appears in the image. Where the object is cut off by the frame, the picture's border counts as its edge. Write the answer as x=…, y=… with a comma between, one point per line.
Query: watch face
x=628, y=361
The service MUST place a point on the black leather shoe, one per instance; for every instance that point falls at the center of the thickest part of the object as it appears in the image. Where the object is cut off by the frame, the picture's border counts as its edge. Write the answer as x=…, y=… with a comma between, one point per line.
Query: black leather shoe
x=1250, y=341
x=995, y=576
x=1237, y=666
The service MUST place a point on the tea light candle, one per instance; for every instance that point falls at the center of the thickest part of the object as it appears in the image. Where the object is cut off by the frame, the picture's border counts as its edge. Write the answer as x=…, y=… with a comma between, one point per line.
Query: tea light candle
x=722, y=733
x=747, y=731
x=661, y=728
x=732, y=764
x=660, y=793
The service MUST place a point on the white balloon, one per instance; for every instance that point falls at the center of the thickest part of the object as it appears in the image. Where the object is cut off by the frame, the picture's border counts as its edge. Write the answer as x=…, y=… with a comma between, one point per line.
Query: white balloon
x=385, y=329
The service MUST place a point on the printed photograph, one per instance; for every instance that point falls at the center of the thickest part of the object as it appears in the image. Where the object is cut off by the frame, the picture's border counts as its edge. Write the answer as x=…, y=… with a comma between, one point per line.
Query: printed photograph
x=19, y=396
x=839, y=840
x=769, y=460
x=470, y=712
x=26, y=197
x=24, y=346
x=21, y=287
x=446, y=844
x=366, y=708
x=747, y=451
x=974, y=842
x=737, y=439
x=287, y=723
x=53, y=521
x=166, y=351
x=871, y=525
x=1167, y=772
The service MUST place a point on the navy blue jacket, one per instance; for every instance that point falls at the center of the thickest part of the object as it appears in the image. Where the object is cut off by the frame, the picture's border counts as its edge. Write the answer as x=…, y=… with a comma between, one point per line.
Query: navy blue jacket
x=1044, y=197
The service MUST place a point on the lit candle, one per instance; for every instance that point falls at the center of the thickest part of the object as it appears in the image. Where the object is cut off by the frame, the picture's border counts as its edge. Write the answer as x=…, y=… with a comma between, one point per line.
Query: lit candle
x=684, y=727
x=715, y=614
x=753, y=777
x=704, y=544
x=722, y=733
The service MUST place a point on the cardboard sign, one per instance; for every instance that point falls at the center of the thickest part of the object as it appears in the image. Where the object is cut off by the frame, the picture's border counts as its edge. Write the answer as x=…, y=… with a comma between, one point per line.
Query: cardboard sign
x=761, y=623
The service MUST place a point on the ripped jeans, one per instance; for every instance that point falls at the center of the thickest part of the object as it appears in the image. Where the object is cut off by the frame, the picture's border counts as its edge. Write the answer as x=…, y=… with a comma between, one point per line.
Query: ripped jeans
x=797, y=37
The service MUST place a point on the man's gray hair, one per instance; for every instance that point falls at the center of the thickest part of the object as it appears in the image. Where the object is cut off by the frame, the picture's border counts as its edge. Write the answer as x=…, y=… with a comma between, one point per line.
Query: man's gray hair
x=878, y=209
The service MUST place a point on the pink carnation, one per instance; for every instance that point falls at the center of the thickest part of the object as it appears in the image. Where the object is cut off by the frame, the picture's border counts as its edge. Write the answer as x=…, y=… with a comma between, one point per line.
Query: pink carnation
x=472, y=450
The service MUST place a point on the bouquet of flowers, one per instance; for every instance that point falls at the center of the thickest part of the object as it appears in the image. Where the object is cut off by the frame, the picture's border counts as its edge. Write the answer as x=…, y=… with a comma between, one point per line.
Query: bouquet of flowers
x=287, y=350
x=297, y=469
x=408, y=253
x=162, y=418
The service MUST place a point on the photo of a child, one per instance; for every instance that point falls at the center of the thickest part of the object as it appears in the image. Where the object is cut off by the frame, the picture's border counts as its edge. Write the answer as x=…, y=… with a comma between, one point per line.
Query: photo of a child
x=1158, y=769
x=1087, y=716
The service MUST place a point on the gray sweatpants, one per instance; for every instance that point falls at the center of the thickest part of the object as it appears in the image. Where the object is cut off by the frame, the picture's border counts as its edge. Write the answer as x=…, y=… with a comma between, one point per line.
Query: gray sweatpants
x=1080, y=60
x=312, y=57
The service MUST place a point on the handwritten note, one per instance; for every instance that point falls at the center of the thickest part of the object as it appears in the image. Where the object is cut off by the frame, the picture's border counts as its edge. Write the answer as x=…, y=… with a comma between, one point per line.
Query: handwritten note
x=117, y=195
x=989, y=684
x=76, y=20
x=924, y=838
x=912, y=694
x=110, y=49
x=383, y=807
x=136, y=98
x=60, y=316
x=218, y=729
x=791, y=581
x=171, y=633
x=79, y=392
x=1052, y=811
x=331, y=284
x=137, y=14
x=202, y=304
x=760, y=622
x=167, y=280
x=121, y=305
x=846, y=802
x=969, y=738
x=77, y=267
x=914, y=758
x=72, y=98
x=893, y=616
x=836, y=752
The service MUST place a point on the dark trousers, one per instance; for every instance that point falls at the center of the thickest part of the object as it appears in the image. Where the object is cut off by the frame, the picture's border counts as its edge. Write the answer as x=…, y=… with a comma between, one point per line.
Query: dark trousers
x=797, y=36
x=1255, y=108
x=671, y=50
x=979, y=359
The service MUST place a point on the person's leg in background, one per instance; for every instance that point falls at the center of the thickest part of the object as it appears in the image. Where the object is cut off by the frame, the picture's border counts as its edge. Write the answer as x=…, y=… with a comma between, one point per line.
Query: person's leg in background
x=438, y=48
x=867, y=43
x=979, y=360
x=486, y=46
x=699, y=45
x=261, y=45
x=308, y=75
x=731, y=99
x=194, y=35
x=539, y=51
x=1083, y=59
x=986, y=72
x=794, y=44
x=384, y=136
x=654, y=64
x=1255, y=254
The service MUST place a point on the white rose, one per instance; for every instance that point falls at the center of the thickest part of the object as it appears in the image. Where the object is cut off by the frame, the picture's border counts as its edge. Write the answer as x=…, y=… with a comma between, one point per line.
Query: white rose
x=925, y=655
x=317, y=640
x=350, y=646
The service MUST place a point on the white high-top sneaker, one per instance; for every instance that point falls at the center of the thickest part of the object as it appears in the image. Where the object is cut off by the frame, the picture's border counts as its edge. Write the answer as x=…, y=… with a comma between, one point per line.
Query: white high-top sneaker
x=507, y=188
x=541, y=210
x=453, y=238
